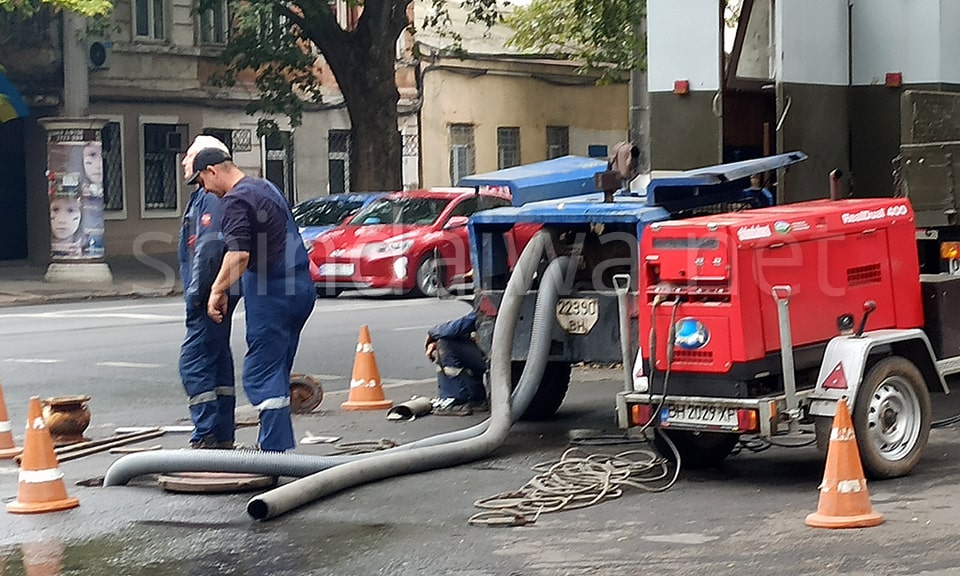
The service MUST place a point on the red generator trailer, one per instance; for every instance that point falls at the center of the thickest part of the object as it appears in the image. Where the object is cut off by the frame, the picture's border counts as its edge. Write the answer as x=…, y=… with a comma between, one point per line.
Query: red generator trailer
x=757, y=322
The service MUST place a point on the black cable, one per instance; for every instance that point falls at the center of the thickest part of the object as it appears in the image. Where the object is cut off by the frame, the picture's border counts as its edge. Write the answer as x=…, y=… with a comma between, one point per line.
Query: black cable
x=946, y=422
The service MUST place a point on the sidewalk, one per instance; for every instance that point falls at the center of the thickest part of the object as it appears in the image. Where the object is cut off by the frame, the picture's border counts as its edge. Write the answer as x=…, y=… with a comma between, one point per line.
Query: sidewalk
x=132, y=278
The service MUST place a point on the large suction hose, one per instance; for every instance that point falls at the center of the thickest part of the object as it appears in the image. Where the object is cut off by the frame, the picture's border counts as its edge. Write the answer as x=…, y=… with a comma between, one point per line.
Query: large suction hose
x=296, y=465
x=384, y=465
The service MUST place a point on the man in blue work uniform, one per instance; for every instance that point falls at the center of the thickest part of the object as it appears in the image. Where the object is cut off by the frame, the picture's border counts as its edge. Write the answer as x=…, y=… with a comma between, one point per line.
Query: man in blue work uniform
x=265, y=252
x=206, y=361
x=757, y=193
x=460, y=367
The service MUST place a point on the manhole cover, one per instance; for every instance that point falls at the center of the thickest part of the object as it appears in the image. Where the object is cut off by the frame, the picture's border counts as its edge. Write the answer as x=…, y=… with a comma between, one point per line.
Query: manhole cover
x=214, y=482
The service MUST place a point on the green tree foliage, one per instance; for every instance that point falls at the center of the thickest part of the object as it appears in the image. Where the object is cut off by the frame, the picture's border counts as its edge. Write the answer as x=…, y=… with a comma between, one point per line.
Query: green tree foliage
x=279, y=44
x=27, y=8
x=600, y=33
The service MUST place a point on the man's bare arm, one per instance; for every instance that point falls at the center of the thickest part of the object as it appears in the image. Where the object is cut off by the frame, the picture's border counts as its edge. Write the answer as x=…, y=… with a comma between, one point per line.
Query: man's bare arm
x=234, y=263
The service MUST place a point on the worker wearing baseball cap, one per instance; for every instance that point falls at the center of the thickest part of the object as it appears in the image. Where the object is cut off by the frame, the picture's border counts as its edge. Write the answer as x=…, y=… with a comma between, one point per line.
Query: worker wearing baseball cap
x=265, y=252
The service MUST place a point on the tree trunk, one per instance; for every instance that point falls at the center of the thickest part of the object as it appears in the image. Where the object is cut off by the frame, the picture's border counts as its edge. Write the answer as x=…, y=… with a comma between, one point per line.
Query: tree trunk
x=364, y=63
x=376, y=147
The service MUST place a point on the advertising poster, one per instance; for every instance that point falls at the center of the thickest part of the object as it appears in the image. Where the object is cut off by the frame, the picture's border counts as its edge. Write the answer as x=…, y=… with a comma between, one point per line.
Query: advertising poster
x=75, y=187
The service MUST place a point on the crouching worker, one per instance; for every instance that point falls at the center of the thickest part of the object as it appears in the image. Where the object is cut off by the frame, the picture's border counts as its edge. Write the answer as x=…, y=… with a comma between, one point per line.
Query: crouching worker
x=461, y=366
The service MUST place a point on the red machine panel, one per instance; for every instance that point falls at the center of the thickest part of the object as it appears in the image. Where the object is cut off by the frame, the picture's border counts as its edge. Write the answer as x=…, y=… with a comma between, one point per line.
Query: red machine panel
x=721, y=271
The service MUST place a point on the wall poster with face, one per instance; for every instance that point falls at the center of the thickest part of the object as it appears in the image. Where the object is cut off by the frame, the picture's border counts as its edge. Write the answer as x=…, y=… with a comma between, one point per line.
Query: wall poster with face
x=75, y=188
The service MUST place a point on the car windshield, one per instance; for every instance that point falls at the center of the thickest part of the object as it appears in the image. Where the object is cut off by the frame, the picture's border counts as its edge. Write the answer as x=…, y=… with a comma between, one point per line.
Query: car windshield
x=410, y=211
x=325, y=213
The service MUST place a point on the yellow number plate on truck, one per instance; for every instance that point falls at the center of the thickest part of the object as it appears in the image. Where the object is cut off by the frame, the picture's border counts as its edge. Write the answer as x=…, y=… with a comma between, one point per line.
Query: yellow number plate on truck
x=577, y=315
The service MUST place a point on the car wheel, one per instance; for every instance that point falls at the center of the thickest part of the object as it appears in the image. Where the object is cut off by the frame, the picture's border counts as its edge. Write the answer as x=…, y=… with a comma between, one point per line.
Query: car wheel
x=429, y=274
x=327, y=292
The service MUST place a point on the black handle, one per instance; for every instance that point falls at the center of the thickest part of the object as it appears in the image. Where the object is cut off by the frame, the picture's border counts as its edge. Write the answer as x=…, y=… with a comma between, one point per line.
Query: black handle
x=868, y=307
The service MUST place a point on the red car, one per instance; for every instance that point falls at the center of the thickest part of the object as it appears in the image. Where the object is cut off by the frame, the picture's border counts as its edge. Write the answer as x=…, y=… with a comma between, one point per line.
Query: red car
x=407, y=242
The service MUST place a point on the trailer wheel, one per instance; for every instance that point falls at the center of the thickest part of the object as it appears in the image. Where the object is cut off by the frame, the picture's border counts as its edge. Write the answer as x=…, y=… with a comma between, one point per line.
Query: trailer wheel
x=697, y=449
x=550, y=394
x=892, y=418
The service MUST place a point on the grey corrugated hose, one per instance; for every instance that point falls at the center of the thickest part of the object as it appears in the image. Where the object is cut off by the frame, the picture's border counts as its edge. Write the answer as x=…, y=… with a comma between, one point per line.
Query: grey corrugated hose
x=385, y=465
x=296, y=465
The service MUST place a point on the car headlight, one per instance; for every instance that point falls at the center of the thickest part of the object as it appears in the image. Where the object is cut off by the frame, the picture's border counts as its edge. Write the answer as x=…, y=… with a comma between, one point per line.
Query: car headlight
x=400, y=268
x=392, y=248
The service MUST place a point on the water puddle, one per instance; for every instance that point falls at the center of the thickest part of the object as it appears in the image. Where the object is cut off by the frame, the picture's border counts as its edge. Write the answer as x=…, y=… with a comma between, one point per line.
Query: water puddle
x=157, y=548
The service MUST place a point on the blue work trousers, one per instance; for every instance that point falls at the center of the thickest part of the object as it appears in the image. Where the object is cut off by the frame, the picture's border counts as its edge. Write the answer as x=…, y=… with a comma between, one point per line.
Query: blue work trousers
x=206, y=370
x=460, y=370
x=275, y=317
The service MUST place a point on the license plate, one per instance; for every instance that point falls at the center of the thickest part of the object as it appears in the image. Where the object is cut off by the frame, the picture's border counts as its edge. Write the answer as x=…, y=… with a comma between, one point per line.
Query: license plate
x=697, y=416
x=577, y=315
x=336, y=269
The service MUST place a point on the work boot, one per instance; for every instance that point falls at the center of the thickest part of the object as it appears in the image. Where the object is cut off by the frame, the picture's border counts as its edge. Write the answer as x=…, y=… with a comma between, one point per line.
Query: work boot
x=451, y=407
x=205, y=443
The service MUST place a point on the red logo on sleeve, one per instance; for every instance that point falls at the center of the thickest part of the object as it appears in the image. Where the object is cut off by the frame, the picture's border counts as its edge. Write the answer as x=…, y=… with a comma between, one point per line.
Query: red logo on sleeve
x=206, y=219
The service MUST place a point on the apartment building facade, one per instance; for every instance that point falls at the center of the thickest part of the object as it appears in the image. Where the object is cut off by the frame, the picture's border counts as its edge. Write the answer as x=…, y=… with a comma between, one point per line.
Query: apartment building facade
x=149, y=81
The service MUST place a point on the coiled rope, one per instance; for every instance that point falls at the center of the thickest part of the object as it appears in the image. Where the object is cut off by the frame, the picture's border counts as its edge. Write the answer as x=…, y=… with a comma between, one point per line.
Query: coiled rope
x=577, y=480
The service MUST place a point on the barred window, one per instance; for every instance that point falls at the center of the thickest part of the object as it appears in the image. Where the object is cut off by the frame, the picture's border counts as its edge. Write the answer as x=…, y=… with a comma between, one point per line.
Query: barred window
x=222, y=134
x=462, y=152
x=279, y=163
x=161, y=144
x=338, y=161
x=149, y=16
x=112, y=166
x=214, y=24
x=558, y=141
x=508, y=147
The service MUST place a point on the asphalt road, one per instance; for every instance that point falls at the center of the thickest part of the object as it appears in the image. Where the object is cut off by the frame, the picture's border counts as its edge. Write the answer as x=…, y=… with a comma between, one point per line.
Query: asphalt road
x=744, y=517
x=123, y=354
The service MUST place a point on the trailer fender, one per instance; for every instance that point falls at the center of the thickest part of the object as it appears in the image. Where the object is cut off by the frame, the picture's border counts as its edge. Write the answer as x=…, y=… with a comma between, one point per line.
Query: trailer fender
x=847, y=359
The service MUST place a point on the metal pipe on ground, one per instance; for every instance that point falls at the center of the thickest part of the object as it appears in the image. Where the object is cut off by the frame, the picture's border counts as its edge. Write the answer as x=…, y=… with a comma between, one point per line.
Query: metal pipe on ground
x=104, y=446
x=65, y=453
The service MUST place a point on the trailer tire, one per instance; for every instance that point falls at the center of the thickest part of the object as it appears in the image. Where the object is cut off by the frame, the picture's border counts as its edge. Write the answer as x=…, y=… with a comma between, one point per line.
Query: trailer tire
x=551, y=392
x=697, y=449
x=891, y=418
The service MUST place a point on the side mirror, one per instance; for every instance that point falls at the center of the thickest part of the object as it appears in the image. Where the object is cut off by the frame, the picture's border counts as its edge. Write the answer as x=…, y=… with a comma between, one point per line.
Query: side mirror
x=456, y=222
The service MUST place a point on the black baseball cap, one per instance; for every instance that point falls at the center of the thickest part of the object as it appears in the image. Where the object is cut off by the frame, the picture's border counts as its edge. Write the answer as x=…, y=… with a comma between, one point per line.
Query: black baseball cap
x=206, y=158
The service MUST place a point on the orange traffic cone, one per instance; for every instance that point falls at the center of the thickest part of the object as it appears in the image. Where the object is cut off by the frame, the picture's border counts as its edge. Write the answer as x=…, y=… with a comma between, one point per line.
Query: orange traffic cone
x=8, y=450
x=844, y=499
x=41, y=481
x=366, y=392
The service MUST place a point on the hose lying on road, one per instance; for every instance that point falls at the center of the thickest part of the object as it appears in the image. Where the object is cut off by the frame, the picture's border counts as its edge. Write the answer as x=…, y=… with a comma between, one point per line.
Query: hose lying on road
x=296, y=465
x=385, y=465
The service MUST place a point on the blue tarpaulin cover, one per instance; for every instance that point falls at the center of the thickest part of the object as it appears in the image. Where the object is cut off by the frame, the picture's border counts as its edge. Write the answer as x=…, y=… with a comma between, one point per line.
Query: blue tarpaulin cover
x=558, y=178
